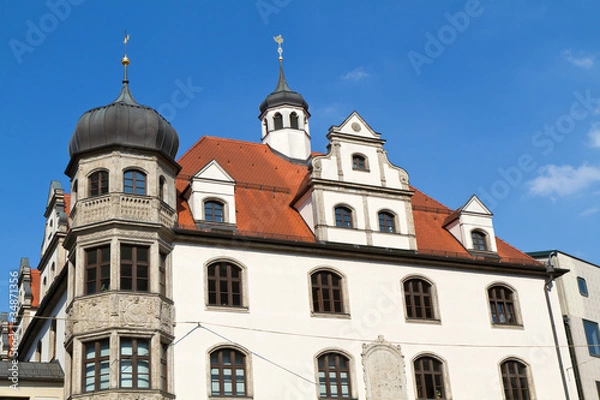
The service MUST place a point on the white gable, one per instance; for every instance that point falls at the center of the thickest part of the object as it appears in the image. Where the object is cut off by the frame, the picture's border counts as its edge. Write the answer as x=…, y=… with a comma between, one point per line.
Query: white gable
x=475, y=206
x=214, y=171
x=356, y=126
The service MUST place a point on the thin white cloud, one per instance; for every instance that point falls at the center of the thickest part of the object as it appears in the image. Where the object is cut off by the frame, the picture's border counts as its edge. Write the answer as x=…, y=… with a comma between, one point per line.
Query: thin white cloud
x=594, y=135
x=589, y=211
x=563, y=180
x=581, y=61
x=356, y=75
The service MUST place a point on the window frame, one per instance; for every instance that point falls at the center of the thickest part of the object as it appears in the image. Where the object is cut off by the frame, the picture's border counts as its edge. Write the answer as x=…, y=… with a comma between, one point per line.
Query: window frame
x=391, y=216
x=277, y=121
x=482, y=240
x=513, y=301
x=98, y=185
x=135, y=266
x=421, y=374
x=527, y=376
x=247, y=368
x=136, y=359
x=212, y=201
x=136, y=183
x=327, y=374
x=593, y=348
x=97, y=267
x=432, y=295
x=344, y=310
x=294, y=120
x=243, y=306
x=346, y=214
x=360, y=162
x=583, y=290
x=97, y=361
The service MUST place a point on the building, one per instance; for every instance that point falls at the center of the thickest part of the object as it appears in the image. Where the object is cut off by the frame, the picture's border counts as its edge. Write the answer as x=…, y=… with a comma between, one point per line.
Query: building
x=268, y=270
x=579, y=293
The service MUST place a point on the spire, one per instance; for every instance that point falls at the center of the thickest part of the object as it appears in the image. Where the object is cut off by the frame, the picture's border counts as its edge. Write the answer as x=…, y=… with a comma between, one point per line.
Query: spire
x=125, y=59
x=281, y=83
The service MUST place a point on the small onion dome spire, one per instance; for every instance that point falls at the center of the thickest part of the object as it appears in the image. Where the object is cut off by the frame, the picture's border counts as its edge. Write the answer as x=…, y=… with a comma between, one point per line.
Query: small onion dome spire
x=282, y=94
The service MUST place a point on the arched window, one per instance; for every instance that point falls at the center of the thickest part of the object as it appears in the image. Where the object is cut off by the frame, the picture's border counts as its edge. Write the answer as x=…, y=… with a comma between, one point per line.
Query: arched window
x=224, y=285
x=429, y=378
x=134, y=182
x=213, y=211
x=502, y=305
x=327, y=292
x=515, y=380
x=294, y=120
x=343, y=217
x=228, y=373
x=266, y=124
x=278, y=121
x=387, y=222
x=161, y=188
x=479, y=242
x=419, y=299
x=334, y=376
x=359, y=162
x=98, y=183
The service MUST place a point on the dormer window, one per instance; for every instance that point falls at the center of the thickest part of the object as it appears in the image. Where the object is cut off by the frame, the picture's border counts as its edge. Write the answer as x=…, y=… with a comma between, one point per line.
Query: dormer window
x=278, y=121
x=134, y=182
x=479, y=242
x=98, y=183
x=343, y=217
x=213, y=211
x=294, y=120
x=359, y=162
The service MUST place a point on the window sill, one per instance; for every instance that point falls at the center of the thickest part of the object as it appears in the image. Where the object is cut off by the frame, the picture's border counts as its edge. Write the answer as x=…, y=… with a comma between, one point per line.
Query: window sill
x=430, y=321
x=361, y=170
x=227, y=309
x=329, y=315
x=508, y=326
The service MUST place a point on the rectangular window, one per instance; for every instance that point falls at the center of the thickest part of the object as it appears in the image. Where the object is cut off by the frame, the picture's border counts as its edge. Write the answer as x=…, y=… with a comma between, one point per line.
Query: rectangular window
x=135, y=363
x=96, y=365
x=97, y=270
x=164, y=367
x=134, y=268
x=593, y=337
x=52, y=354
x=162, y=274
x=581, y=283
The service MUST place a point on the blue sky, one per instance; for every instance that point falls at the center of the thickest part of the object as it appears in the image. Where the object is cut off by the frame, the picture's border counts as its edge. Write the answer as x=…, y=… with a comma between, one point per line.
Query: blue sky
x=493, y=98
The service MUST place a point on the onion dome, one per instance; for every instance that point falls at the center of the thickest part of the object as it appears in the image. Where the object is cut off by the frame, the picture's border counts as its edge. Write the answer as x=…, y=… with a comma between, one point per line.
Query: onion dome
x=283, y=95
x=125, y=123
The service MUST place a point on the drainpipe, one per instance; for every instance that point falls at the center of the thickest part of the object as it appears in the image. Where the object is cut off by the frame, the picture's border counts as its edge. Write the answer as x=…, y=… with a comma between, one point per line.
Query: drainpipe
x=547, y=288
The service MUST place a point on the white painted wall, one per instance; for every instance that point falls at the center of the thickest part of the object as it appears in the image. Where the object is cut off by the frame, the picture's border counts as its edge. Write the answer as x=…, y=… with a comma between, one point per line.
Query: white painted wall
x=279, y=299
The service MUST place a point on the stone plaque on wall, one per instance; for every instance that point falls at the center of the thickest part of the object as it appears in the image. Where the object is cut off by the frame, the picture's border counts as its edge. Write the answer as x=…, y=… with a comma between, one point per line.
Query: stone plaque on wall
x=385, y=376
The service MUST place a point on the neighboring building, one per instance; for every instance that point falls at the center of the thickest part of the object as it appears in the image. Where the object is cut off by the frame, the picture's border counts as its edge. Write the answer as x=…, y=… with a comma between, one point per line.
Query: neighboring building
x=266, y=270
x=31, y=381
x=579, y=293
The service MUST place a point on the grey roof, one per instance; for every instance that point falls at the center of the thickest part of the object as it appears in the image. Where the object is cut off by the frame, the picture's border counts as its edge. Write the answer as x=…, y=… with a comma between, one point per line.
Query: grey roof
x=124, y=122
x=283, y=95
x=33, y=371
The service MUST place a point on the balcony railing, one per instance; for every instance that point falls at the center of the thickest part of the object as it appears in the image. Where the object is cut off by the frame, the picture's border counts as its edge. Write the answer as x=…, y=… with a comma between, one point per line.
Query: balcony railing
x=122, y=206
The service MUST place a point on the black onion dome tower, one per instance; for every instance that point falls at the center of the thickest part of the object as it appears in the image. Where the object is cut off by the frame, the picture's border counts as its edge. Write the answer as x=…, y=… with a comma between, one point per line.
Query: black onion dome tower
x=122, y=213
x=284, y=115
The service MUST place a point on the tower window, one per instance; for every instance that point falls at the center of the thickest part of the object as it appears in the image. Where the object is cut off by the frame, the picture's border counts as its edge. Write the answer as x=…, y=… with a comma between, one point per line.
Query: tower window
x=161, y=188
x=343, y=217
x=135, y=363
x=96, y=365
x=266, y=124
x=278, y=121
x=97, y=270
x=98, y=183
x=479, y=242
x=294, y=120
x=213, y=211
x=134, y=268
x=134, y=182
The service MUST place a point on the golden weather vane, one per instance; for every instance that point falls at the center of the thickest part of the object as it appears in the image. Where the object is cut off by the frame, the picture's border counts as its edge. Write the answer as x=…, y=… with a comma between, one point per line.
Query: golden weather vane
x=279, y=40
x=125, y=60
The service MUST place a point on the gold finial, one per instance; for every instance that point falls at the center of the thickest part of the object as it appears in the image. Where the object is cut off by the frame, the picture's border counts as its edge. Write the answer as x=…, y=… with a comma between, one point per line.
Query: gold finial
x=125, y=60
x=279, y=40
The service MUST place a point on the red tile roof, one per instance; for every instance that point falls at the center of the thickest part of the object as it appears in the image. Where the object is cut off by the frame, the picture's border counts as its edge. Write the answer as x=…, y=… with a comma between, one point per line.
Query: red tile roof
x=267, y=182
x=35, y=287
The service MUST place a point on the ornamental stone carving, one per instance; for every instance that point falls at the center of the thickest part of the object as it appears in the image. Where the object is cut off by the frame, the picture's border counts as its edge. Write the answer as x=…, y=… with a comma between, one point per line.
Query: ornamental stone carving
x=384, y=370
x=118, y=310
x=122, y=395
